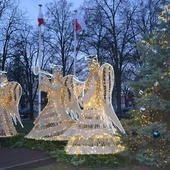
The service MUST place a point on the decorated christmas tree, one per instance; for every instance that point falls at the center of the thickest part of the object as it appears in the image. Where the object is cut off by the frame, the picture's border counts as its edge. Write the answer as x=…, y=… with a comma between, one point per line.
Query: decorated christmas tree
x=148, y=138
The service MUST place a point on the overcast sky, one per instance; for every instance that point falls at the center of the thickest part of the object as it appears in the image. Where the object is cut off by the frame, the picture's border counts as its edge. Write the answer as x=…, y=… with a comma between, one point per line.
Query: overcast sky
x=31, y=6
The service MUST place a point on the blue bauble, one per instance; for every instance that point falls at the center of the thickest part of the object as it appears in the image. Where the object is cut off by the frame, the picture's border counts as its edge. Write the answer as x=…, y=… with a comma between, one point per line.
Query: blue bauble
x=156, y=134
x=147, y=76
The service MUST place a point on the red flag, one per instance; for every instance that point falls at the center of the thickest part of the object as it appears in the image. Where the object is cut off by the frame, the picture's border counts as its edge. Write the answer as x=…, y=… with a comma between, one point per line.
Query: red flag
x=40, y=18
x=80, y=24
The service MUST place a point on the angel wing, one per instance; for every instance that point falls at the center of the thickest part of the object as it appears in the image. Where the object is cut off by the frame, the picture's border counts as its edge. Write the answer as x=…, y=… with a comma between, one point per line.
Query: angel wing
x=78, y=90
x=71, y=97
x=107, y=76
x=15, y=95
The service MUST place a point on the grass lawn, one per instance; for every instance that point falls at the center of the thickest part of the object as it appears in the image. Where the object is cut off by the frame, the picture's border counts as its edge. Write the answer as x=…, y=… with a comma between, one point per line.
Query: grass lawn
x=28, y=125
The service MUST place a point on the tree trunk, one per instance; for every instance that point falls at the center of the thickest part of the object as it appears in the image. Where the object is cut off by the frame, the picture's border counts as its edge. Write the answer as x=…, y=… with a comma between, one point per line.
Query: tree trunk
x=118, y=94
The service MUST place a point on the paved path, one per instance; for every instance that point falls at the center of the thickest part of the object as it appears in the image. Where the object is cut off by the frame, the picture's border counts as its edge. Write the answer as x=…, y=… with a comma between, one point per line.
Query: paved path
x=22, y=158
x=27, y=159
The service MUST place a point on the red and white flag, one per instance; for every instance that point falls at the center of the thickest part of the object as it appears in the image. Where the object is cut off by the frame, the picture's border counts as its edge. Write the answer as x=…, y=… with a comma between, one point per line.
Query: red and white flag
x=80, y=24
x=40, y=18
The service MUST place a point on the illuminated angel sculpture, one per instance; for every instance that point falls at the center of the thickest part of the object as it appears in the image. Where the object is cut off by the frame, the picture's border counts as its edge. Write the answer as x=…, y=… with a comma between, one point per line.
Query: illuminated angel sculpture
x=96, y=130
x=10, y=94
x=53, y=119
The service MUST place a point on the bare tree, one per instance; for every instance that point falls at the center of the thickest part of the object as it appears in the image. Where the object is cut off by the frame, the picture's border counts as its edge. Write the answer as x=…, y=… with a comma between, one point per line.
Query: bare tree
x=94, y=39
x=10, y=26
x=3, y=6
x=114, y=29
x=60, y=30
x=21, y=63
x=146, y=15
x=110, y=30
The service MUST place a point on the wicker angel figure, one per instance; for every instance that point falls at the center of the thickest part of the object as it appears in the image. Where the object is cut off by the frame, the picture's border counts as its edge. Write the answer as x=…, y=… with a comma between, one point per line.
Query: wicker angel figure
x=53, y=119
x=96, y=130
x=10, y=94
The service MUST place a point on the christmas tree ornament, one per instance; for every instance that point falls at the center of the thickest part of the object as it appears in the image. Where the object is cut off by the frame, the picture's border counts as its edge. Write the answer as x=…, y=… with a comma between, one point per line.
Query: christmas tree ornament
x=156, y=83
x=144, y=117
x=147, y=76
x=156, y=134
x=142, y=109
x=140, y=92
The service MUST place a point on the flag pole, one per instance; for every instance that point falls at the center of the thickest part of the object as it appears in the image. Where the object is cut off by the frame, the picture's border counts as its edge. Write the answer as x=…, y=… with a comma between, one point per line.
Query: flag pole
x=75, y=42
x=39, y=64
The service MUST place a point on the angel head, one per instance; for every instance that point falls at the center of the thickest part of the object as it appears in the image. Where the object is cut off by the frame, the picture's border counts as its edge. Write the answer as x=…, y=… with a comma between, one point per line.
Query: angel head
x=3, y=78
x=94, y=74
x=94, y=67
x=57, y=76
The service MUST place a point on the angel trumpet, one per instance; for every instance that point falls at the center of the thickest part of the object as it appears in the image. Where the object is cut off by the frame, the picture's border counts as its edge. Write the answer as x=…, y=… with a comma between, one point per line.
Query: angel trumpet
x=38, y=71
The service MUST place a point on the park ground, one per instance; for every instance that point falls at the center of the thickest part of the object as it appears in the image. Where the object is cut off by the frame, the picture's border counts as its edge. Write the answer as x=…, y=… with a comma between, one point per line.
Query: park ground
x=19, y=157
